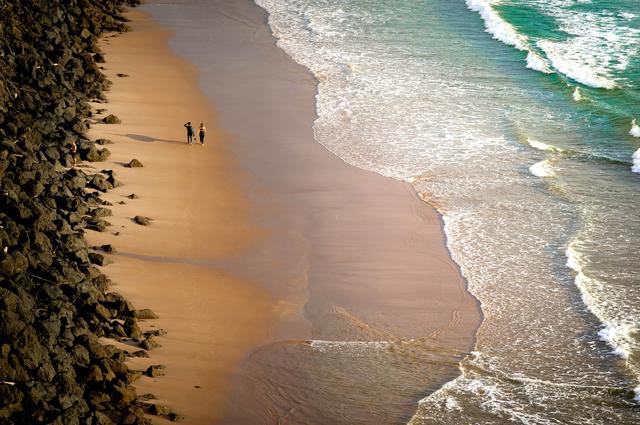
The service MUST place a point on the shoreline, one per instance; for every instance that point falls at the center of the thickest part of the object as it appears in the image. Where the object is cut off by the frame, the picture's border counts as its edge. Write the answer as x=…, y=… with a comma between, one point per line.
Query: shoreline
x=194, y=198
x=382, y=276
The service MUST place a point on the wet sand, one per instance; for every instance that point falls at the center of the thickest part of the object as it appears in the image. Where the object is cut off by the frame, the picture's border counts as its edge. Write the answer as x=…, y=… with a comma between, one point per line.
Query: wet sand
x=294, y=287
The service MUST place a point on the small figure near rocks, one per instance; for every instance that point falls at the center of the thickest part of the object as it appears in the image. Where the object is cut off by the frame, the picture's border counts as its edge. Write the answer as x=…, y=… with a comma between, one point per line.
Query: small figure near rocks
x=74, y=150
x=202, y=131
x=190, y=132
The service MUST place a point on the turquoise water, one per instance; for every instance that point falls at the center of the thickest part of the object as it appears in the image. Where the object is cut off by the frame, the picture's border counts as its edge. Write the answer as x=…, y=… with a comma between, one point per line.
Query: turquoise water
x=515, y=118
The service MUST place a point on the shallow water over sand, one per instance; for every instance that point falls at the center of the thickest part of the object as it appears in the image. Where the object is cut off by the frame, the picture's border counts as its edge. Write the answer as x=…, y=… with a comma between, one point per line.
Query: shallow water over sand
x=527, y=149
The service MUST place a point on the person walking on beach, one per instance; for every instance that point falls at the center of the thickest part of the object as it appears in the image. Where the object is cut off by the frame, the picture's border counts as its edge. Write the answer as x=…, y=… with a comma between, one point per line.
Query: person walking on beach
x=202, y=131
x=190, y=133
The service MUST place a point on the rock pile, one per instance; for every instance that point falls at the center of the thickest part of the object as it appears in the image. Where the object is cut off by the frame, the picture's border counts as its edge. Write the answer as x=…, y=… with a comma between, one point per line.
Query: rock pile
x=54, y=303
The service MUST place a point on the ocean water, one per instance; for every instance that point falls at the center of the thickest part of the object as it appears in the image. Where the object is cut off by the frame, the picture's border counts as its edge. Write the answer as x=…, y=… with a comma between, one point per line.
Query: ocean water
x=517, y=119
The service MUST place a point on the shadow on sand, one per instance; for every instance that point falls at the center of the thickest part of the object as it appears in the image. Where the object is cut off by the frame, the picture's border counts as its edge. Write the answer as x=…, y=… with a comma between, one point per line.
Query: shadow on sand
x=143, y=138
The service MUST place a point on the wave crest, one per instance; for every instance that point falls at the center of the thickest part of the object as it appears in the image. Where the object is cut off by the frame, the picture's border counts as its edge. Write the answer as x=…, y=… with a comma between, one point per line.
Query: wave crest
x=537, y=63
x=496, y=26
x=561, y=59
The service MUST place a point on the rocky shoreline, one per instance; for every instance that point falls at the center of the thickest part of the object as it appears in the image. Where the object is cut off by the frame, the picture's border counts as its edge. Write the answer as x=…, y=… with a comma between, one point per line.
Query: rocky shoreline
x=55, y=304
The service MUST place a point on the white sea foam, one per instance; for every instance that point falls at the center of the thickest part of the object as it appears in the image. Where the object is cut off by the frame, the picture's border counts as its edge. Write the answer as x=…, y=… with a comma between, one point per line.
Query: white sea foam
x=496, y=26
x=635, y=129
x=565, y=62
x=542, y=169
x=539, y=145
x=324, y=346
x=577, y=96
x=537, y=63
x=451, y=404
x=636, y=162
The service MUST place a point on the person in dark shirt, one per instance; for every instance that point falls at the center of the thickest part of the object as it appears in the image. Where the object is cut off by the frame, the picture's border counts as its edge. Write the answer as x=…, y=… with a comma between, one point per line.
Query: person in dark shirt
x=190, y=133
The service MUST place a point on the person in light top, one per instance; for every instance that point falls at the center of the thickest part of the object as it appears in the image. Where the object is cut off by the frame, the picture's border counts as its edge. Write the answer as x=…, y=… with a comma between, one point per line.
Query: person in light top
x=202, y=131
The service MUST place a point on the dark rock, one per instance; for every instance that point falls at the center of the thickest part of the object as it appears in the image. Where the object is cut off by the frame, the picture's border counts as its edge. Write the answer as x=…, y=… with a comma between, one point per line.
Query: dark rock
x=175, y=417
x=154, y=371
x=95, y=374
x=102, y=419
x=111, y=179
x=97, y=224
x=155, y=332
x=145, y=313
x=111, y=119
x=98, y=259
x=143, y=221
x=149, y=344
x=132, y=329
x=100, y=183
x=122, y=75
x=108, y=248
x=53, y=302
x=159, y=410
x=103, y=141
x=134, y=163
x=117, y=302
x=100, y=212
x=148, y=396
x=133, y=196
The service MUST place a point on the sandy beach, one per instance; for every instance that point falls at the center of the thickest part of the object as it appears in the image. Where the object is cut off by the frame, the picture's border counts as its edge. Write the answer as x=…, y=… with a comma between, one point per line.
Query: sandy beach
x=266, y=253
x=194, y=196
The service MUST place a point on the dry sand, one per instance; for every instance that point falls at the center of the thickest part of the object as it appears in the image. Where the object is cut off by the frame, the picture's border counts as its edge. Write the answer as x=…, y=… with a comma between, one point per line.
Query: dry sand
x=195, y=198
